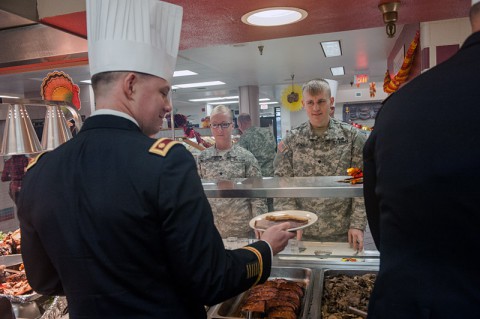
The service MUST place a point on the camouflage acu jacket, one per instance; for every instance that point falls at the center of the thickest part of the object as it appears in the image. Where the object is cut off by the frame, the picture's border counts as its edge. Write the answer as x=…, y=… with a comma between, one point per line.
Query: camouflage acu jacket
x=261, y=142
x=231, y=214
x=302, y=153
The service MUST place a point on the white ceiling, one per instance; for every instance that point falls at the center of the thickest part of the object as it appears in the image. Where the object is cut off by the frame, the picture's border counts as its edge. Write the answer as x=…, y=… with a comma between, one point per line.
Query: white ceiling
x=241, y=65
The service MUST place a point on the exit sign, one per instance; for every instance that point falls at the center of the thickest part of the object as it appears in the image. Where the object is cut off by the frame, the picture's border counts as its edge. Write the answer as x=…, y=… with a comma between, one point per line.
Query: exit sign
x=361, y=78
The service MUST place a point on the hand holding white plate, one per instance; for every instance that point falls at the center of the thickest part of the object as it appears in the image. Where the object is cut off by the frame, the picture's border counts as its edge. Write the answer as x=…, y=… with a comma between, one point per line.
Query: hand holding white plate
x=299, y=218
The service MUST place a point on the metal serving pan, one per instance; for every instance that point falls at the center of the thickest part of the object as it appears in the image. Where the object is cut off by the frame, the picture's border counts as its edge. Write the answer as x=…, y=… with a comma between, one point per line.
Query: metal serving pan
x=230, y=309
x=332, y=272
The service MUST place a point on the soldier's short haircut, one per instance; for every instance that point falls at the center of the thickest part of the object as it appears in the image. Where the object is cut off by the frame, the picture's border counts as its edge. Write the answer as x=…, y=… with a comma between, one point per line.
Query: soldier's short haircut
x=222, y=109
x=317, y=86
x=103, y=79
x=244, y=118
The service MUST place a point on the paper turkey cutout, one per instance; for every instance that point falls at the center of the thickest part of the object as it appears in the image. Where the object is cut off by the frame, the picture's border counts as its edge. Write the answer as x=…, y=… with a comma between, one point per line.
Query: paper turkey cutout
x=58, y=86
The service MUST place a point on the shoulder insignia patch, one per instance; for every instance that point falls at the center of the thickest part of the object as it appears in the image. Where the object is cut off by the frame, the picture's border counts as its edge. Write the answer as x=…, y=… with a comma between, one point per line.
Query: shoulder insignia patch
x=162, y=146
x=33, y=160
x=282, y=147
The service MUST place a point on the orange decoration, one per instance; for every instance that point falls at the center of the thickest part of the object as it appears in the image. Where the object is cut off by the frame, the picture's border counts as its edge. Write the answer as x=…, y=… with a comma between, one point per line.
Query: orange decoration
x=59, y=86
x=373, y=89
x=390, y=84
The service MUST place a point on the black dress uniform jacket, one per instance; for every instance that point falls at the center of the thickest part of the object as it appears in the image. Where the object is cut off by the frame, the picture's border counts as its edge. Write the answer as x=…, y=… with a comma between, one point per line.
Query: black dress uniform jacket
x=422, y=193
x=119, y=223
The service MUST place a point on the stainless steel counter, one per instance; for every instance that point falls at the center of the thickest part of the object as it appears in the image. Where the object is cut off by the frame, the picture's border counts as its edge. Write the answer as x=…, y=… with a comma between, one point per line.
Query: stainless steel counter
x=256, y=187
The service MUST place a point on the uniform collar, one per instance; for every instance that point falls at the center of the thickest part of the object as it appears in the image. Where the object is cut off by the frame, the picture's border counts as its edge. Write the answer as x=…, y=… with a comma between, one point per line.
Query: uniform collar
x=115, y=113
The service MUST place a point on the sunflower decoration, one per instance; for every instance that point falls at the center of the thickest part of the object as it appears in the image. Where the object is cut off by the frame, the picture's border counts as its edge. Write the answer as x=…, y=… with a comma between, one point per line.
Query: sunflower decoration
x=59, y=86
x=292, y=97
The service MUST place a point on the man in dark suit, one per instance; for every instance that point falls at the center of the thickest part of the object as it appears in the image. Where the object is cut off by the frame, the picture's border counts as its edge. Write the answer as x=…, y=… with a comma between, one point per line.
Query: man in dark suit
x=116, y=221
x=421, y=192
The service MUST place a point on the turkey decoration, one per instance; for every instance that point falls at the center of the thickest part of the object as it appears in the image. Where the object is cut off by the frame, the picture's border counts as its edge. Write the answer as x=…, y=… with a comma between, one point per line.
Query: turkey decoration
x=58, y=86
x=391, y=85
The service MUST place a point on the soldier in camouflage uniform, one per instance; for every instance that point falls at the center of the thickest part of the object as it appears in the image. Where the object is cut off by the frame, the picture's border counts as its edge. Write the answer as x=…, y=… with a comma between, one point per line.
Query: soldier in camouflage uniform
x=226, y=161
x=258, y=140
x=323, y=146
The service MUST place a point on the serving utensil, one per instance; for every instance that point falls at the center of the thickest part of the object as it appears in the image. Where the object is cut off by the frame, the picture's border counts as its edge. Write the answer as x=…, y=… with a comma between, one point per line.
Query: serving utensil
x=357, y=312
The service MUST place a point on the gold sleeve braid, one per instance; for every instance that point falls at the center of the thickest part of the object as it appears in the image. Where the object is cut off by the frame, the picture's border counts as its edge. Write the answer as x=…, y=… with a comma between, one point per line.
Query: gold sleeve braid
x=255, y=269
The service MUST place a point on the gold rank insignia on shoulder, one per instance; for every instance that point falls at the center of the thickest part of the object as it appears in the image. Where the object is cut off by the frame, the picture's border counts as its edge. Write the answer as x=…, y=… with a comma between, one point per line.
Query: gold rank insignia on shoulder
x=33, y=160
x=162, y=146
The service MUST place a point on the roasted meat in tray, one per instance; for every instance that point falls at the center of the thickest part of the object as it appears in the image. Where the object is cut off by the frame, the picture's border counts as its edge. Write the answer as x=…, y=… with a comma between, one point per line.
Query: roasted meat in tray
x=277, y=298
x=285, y=295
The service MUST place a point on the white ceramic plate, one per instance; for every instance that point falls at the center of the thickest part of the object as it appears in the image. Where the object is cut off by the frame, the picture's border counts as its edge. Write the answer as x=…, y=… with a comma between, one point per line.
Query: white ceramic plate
x=312, y=218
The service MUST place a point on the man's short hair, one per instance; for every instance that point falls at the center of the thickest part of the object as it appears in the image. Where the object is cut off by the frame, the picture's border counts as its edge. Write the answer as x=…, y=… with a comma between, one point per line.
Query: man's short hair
x=244, y=118
x=317, y=86
x=106, y=78
x=222, y=109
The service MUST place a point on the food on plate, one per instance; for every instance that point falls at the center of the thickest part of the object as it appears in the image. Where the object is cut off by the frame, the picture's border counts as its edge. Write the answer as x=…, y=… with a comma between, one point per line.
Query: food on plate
x=287, y=217
x=277, y=298
x=343, y=291
x=270, y=220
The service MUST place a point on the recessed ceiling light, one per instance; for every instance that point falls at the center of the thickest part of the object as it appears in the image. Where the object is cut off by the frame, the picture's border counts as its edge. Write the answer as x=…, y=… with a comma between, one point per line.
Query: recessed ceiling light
x=193, y=85
x=224, y=102
x=9, y=97
x=214, y=99
x=183, y=73
x=331, y=48
x=274, y=16
x=338, y=70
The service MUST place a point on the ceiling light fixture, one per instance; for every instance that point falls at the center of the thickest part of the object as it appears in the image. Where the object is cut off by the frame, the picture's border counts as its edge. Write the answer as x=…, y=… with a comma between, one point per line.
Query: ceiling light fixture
x=390, y=16
x=9, y=97
x=224, y=102
x=337, y=71
x=198, y=84
x=274, y=16
x=214, y=99
x=183, y=73
x=331, y=48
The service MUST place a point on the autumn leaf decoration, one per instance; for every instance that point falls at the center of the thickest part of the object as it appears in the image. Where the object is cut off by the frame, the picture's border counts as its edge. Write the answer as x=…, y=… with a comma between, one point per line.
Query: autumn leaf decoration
x=390, y=84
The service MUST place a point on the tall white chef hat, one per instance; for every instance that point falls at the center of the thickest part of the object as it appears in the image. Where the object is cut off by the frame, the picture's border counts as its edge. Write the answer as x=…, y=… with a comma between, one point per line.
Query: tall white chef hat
x=475, y=1
x=133, y=35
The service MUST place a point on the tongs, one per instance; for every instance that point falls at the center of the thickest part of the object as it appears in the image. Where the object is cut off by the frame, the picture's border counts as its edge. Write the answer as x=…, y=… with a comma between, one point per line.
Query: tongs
x=357, y=312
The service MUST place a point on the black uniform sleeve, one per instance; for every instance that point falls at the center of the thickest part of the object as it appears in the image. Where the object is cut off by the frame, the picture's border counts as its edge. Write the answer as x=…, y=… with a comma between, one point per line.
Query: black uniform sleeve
x=196, y=254
x=41, y=274
x=370, y=181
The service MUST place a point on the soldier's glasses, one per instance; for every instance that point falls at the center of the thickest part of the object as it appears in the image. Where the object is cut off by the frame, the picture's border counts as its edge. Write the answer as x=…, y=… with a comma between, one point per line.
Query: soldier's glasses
x=222, y=125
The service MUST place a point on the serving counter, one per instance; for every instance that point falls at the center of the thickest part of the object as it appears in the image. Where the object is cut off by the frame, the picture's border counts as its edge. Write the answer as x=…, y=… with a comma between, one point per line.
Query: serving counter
x=269, y=187
x=321, y=259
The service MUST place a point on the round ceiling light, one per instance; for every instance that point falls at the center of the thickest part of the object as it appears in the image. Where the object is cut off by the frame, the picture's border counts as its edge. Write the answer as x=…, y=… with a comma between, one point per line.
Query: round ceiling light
x=269, y=17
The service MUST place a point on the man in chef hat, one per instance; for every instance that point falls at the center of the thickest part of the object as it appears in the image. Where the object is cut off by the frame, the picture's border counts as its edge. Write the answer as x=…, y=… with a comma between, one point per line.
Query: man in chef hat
x=116, y=221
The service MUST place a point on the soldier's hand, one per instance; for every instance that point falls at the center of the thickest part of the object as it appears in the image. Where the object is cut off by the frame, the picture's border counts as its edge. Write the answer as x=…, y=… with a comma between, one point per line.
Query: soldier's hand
x=277, y=236
x=355, y=238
